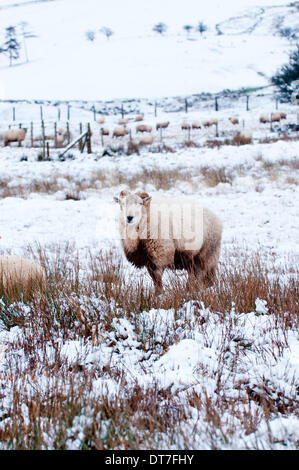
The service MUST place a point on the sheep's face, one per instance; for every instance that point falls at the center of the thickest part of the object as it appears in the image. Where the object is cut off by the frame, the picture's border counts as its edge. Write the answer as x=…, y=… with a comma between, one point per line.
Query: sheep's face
x=132, y=206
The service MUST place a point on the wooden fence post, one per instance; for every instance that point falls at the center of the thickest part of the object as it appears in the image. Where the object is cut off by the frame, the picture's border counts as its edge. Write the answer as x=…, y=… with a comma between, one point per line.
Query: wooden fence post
x=43, y=140
x=88, y=139
x=271, y=127
x=247, y=103
x=68, y=112
x=186, y=105
x=31, y=133
x=155, y=109
x=216, y=126
x=41, y=113
x=68, y=132
x=80, y=143
x=55, y=134
x=216, y=104
x=13, y=113
x=58, y=114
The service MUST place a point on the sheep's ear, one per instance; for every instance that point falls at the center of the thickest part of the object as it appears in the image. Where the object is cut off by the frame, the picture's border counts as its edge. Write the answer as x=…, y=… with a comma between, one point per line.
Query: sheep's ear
x=146, y=201
x=116, y=199
x=124, y=193
x=145, y=197
x=142, y=194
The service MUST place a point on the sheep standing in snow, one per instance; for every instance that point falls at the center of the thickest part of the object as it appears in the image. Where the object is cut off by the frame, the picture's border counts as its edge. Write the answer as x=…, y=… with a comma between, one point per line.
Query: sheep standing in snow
x=120, y=132
x=169, y=233
x=17, y=135
x=196, y=125
x=123, y=122
x=21, y=275
x=162, y=125
x=264, y=119
x=210, y=122
x=143, y=128
x=234, y=120
x=146, y=140
x=275, y=117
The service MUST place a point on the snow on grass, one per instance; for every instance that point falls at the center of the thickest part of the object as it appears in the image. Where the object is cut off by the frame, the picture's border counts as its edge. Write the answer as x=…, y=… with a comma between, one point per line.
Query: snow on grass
x=135, y=61
x=228, y=374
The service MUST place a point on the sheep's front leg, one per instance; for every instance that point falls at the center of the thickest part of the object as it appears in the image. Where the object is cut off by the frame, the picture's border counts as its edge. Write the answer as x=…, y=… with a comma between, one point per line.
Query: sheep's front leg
x=156, y=275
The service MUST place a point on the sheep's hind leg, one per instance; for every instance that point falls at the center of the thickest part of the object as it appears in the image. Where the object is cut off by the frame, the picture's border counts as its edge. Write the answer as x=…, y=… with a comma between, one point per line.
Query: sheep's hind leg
x=206, y=262
x=156, y=275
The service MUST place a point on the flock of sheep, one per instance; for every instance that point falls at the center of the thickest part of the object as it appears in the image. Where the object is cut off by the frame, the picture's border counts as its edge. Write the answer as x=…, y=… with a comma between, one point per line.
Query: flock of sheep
x=122, y=130
x=140, y=247
x=155, y=234
x=61, y=137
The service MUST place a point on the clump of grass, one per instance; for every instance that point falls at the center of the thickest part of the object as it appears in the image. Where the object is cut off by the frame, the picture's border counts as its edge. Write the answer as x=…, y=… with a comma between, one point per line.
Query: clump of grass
x=214, y=176
x=240, y=139
x=190, y=144
x=82, y=302
x=284, y=137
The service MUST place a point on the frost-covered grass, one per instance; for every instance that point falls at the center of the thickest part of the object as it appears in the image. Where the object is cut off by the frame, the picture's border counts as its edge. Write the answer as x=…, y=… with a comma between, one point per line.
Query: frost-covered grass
x=97, y=361
x=137, y=61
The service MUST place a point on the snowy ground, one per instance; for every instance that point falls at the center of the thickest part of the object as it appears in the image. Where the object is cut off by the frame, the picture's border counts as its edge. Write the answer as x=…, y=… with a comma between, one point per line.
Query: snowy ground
x=135, y=61
x=242, y=365
x=259, y=209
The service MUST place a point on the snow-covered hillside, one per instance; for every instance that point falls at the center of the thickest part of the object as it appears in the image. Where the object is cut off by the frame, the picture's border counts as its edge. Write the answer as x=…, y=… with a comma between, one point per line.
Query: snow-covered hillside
x=135, y=61
x=97, y=360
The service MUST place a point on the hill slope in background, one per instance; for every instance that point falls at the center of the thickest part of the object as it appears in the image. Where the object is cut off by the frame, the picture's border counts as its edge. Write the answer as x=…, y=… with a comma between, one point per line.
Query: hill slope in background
x=135, y=61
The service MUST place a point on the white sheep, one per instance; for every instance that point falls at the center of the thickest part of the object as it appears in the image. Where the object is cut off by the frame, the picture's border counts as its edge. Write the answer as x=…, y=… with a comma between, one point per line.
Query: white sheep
x=264, y=118
x=120, y=132
x=234, y=120
x=275, y=117
x=21, y=275
x=210, y=122
x=143, y=128
x=162, y=125
x=167, y=233
x=17, y=135
x=196, y=125
x=146, y=140
x=123, y=121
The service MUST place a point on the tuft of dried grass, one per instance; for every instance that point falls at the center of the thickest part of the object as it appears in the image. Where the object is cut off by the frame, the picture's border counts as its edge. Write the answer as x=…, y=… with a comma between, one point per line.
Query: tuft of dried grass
x=82, y=301
x=214, y=176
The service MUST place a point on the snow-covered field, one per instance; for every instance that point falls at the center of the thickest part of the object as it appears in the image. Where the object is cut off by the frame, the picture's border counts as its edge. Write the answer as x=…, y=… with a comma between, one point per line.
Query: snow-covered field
x=135, y=61
x=259, y=209
x=98, y=361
